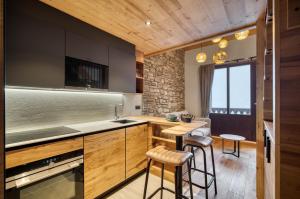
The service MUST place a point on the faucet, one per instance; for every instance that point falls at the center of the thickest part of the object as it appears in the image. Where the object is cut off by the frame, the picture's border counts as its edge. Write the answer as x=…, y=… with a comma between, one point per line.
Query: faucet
x=116, y=111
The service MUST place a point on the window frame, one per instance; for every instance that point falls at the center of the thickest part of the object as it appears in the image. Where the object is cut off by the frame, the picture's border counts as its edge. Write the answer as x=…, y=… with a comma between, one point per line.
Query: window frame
x=231, y=65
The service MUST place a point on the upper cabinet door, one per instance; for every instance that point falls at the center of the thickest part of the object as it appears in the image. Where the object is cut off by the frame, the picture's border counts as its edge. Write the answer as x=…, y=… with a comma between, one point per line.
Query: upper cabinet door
x=83, y=48
x=122, y=71
x=34, y=52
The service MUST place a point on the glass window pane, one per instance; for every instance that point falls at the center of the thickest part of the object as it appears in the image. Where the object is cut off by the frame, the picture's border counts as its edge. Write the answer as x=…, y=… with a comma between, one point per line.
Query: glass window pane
x=219, y=92
x=240, y=90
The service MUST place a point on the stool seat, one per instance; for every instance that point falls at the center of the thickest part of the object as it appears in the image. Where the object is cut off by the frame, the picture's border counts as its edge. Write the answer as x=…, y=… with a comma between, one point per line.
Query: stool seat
x=200, y=141
x=166, y=156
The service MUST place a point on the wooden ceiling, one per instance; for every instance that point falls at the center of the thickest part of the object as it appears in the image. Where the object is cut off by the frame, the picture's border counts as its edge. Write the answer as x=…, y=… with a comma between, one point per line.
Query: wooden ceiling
x=173, y=22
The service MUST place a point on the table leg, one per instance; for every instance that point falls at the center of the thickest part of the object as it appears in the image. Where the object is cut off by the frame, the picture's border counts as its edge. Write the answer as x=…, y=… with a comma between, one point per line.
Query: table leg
x=238, y=149
x=178, y=173
x=223, y=145
x=234, y=146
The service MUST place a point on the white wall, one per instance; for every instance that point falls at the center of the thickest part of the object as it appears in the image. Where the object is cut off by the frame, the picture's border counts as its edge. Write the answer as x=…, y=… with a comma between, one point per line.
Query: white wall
x=131, y=100
x=235, y=50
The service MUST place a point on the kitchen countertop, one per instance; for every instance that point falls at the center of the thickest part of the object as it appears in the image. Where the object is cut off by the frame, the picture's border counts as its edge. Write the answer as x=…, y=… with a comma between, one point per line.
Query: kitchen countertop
x=18, y=139
x=24, y=138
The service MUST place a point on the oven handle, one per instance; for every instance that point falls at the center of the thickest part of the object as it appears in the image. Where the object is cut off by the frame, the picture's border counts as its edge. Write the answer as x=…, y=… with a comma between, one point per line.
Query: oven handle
x=43, y=175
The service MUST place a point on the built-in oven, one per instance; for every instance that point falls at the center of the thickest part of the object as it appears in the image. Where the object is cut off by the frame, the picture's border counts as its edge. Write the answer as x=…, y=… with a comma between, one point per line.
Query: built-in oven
x=59, y=177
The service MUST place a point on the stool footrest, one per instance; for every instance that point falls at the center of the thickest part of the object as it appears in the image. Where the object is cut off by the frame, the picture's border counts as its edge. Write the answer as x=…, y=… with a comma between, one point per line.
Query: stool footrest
x=199, y=186
x=167, y=189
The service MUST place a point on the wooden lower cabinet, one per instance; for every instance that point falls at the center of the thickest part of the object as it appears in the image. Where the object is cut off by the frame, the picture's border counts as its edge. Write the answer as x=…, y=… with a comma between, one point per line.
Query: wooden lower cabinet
x=269, y=164
x=270, y=175
x=136, y=148
x=104, y=162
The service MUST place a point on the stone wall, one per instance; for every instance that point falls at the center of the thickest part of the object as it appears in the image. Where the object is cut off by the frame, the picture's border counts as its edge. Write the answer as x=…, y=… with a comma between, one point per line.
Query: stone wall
x=164, y=83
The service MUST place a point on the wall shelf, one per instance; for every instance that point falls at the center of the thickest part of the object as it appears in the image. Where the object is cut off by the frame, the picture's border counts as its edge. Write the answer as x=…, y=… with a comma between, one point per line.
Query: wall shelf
x=139, y=77
x=163, y=139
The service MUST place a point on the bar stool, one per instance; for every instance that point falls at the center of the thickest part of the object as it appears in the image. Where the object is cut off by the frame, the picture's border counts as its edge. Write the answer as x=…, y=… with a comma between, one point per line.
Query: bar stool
x=202, y=142
x=169, y=157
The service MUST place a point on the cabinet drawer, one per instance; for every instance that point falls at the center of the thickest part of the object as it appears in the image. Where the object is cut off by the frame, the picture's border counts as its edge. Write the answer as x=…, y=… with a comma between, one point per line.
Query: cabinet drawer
x=30, y=154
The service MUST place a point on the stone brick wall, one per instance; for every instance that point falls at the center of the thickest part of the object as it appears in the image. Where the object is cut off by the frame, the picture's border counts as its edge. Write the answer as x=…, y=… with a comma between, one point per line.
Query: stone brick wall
x=164, y=83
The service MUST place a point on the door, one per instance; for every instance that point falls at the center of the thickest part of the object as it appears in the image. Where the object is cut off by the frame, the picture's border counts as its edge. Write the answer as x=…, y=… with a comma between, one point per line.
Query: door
x=104, y=162
x=136, y=148
x=233, y=100
x=1, y=104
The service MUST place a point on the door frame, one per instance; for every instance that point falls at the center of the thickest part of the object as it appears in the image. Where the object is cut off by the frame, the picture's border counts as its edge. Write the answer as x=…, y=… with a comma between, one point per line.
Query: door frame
x=250, y=120
x=2, y=142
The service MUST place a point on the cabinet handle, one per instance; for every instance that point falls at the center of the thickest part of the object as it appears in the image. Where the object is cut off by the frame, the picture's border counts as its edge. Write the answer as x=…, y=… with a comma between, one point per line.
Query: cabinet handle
x=265, y=138
x=268, y=151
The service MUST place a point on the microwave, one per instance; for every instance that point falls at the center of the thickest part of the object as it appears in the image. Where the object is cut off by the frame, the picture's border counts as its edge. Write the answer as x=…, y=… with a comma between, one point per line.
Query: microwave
x=82, y=73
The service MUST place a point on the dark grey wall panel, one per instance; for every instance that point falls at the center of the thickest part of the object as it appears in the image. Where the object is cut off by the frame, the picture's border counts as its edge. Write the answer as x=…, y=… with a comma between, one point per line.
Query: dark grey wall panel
x=121, y=71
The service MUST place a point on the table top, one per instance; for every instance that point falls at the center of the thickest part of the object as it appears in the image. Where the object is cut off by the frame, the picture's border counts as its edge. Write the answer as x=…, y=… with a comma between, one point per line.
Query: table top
x=177, y=128
x=232, y=137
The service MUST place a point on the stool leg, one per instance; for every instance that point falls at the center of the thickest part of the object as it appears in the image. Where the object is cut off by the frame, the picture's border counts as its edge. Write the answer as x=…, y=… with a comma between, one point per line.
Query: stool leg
x=194, y=157
x=190, y=179
x=175, y=180
x=147, y=177
x=214, y=170
x=162, y=180
x=205, y=173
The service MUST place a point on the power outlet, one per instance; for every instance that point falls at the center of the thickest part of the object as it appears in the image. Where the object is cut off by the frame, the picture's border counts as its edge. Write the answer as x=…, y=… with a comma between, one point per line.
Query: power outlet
x=137, y=107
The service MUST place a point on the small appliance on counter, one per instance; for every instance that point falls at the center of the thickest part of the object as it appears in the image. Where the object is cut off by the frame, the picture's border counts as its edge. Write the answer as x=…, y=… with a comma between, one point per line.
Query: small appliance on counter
x=187, y=118
x=172, y=118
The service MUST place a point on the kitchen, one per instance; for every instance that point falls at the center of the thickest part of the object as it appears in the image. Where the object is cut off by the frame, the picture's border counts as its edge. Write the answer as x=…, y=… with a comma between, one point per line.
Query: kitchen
x=97, y=109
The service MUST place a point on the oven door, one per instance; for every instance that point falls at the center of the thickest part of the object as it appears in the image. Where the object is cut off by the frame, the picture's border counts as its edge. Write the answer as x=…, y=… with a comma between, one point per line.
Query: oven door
x=61, y=182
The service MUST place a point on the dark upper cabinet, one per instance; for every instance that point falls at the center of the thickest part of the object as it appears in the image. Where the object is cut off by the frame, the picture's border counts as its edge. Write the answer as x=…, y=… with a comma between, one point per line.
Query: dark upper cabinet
x=34, y=53
x=38, y=38
x=121, y=71
x=83, y=48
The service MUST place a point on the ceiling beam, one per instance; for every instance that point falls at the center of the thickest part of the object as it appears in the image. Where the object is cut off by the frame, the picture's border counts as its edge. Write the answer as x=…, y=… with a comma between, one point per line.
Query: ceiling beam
x=205, y=39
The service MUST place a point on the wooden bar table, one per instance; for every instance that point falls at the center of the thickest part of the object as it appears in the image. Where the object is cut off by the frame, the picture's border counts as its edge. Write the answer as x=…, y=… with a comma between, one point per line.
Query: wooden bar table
x=179, y=132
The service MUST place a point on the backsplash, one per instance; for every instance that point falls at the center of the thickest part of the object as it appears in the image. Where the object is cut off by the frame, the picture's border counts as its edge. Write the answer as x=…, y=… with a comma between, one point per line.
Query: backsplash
x=27, y=109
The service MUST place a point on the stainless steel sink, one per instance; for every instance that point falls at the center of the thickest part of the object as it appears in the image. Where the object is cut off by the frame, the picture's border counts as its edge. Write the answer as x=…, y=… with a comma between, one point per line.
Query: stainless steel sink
x=124, y=121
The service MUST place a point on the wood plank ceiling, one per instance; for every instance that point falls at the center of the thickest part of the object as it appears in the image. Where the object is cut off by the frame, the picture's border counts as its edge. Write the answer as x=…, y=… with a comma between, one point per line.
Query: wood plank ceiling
x=173, y=22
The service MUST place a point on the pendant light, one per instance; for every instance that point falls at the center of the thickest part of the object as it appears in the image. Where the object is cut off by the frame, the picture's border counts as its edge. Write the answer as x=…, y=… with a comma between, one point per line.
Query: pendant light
x=223, y=43
x=201, y=57
x=220, y=57
x=242, y=35
x=217, y=39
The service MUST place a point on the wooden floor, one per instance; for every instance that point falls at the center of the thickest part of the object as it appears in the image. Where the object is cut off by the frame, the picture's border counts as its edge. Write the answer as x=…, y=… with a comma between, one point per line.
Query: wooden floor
x=235, y=178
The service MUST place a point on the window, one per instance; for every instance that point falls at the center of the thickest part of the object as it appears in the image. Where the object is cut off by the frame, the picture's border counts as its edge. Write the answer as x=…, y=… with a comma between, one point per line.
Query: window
x=219, y=91
x=231, y=90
